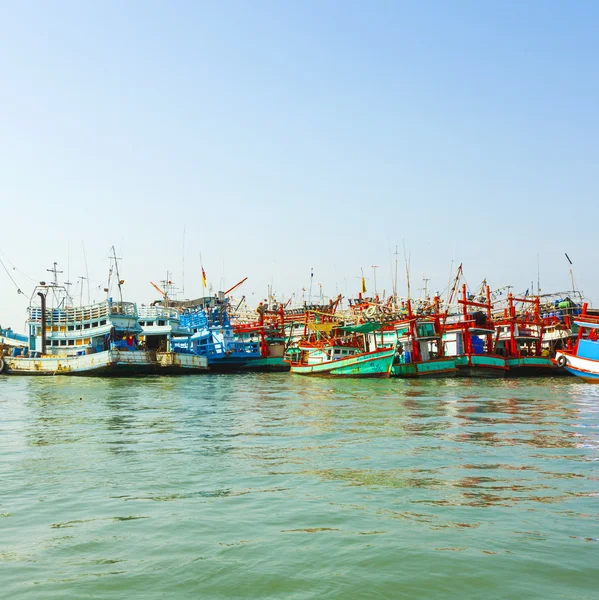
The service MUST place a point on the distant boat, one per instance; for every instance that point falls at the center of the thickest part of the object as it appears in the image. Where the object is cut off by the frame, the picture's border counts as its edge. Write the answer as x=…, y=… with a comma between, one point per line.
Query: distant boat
x=583, y=359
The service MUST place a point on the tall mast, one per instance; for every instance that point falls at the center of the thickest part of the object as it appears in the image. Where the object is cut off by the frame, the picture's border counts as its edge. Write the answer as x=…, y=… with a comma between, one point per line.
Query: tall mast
x=118, y=277
x=395, y=282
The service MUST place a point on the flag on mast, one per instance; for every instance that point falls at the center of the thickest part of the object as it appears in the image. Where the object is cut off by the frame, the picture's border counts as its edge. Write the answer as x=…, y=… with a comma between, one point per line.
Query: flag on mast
x=363, y=285
x=203, y=277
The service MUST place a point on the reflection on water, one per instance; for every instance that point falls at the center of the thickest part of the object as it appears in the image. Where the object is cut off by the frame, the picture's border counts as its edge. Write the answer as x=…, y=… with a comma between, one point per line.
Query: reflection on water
x=282, y=486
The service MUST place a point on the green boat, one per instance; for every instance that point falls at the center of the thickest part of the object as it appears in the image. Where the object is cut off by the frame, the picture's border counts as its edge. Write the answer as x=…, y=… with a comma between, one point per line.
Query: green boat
x=439, y=367
x=531, y=366
x=481, y=365
x=334, y=360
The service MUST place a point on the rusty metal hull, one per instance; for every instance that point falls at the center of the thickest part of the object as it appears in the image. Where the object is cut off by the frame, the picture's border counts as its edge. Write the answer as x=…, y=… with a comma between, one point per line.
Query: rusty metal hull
x=108, y=363
x=178, y=363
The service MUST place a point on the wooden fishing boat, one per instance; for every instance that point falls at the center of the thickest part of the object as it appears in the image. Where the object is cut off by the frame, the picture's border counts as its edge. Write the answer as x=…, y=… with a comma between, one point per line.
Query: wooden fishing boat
x=519, y=338
x=470, y=340
x=582, y=359
x=339, y=360
x=420, y=350
x=160, y=325
x=332, y=349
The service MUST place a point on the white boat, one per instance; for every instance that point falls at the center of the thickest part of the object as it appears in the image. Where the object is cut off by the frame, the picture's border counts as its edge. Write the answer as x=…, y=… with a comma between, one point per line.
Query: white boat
x=582, y=359
x=97, y=339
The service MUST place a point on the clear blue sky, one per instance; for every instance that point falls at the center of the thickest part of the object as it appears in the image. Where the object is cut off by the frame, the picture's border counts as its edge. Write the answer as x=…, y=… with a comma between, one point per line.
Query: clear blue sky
x=284, y=136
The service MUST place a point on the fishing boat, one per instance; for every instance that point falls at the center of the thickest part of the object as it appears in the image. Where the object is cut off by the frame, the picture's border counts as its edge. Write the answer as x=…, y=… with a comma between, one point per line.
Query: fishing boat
x=519, y=338
x=582, y=358
x=159, y=327
x=97, y=339
x=210, y=334
x=336, y=359
x=420, y=350
x=332, y=349
x=469, y=338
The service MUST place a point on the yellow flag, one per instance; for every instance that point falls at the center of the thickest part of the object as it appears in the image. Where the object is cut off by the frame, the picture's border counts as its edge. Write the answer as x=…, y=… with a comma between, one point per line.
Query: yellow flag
x=363, y=286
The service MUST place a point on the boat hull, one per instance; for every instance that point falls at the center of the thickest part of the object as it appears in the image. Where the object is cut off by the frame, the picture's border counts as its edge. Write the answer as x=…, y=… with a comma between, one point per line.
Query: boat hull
x=442, y=367
x=179, y=363
x=369, y=364
x=481, y=365
x=266, y=365
x=533, y=366
x=108, y=363
x=585, y=368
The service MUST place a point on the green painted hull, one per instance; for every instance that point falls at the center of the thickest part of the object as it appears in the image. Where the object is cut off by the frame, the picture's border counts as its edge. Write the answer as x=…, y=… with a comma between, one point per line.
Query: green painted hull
x=370, y=364
x=268, y=364
x=531, y=366
x=441, y=367
x=481, y=365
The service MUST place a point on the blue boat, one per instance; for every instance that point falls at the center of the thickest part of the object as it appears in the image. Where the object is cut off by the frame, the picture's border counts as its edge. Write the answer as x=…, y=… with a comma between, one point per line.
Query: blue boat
x=210, y=334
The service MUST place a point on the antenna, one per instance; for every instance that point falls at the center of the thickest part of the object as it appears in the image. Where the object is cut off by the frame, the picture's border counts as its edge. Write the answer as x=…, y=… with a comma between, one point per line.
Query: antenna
x=81, y=278
x=374, y=267
x=86, y=272
x=56, y=272
x=538, y=276
x=183, y=265
x=118, y=277
x=395, y=282
x=407, y=268
x=425, y=288
x=571, y=274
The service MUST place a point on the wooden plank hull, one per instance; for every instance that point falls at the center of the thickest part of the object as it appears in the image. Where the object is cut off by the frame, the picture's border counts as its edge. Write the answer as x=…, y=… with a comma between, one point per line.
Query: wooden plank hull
x=481, y=365
x=368, y=364
x=441, y=367
x=533, y=366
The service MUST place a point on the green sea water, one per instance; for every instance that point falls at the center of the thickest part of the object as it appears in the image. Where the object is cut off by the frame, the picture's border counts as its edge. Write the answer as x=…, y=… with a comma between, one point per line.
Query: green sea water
x=278, y=486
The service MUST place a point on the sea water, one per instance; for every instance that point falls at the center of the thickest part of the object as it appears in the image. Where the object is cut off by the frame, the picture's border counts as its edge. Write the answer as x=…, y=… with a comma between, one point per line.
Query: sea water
x=278, y=486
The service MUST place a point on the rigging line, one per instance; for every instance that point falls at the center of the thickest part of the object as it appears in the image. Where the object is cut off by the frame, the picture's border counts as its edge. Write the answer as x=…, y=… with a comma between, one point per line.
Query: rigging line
x=14, y=268
x=10, y=277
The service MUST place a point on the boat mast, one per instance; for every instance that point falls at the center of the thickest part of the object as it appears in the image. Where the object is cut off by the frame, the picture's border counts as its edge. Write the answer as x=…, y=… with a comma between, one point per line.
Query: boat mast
x=395, y=283
x=118, y=277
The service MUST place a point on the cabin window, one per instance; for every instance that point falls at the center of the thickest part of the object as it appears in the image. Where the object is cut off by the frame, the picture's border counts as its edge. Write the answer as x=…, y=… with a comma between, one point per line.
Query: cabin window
x=95, y=324
x=86, y=326
x=161, y=323
x=150, y=323
x=71, y=327
x=103, y=322
x=63, y=342
x=71, y=342
x=142, y=323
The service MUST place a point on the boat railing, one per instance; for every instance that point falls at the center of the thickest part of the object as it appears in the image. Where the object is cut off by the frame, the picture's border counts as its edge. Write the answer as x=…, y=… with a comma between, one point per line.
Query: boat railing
x=126, y=309
x=158, y=312
x=194, y=320
x=70, y=314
